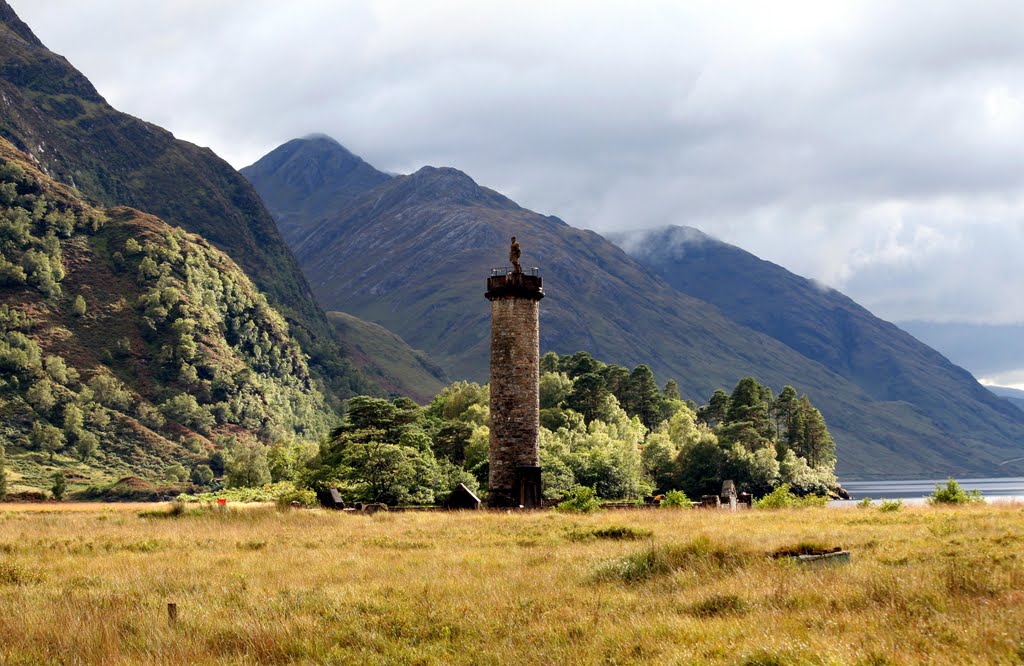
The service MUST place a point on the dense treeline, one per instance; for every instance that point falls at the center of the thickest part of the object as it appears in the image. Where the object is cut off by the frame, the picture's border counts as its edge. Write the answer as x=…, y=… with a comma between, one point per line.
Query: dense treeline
x=603, y=427
x=126, y=344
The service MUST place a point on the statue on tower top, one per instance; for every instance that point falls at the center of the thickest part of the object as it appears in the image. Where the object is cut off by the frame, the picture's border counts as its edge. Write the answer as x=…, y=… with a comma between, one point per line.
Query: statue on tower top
x=513, y=255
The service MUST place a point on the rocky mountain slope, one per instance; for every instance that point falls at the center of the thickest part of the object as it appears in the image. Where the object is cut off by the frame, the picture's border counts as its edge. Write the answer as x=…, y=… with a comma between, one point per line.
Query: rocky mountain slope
x=128, y=345
x=413, y=254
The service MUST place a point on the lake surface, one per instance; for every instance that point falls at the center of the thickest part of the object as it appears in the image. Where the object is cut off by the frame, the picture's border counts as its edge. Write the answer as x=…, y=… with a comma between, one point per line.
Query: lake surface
x=913, y=491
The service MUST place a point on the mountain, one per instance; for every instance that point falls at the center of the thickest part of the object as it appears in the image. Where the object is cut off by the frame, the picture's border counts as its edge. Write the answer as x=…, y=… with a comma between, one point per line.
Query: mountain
x=1014, y=396
x=55, y=115
x=987, y=350
x=825, y=326
x=386, y=359
x=128, y=345
x=414, y=252
x=306, y=179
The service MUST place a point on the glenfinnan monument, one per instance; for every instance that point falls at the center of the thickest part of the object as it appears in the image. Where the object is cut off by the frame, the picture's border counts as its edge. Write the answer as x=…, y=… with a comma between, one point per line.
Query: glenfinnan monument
x=515, y=377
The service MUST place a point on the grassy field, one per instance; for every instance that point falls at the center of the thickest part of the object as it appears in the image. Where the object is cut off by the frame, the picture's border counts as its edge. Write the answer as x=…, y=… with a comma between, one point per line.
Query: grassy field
x=259, y=586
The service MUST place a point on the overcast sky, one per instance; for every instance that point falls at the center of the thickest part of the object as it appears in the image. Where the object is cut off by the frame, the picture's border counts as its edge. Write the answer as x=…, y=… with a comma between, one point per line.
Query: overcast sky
x=876, y=147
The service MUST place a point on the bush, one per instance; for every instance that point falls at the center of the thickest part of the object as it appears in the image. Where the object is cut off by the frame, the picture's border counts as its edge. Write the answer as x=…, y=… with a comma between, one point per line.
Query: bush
x=581, y=500
x=305, y=497
x=954, y=494
x=60, y=486
x=890, y=505
x=676, y=499
x=865, y=503
x=783, y=498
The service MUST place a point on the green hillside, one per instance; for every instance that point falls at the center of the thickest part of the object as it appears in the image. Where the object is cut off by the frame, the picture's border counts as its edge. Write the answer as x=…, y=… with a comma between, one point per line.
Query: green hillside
x=55, y=115
x=129, y=345
x=387, y=361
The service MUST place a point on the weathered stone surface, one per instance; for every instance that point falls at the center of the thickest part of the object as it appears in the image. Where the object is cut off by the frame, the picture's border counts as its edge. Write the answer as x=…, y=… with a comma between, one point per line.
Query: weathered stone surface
x=515, y=377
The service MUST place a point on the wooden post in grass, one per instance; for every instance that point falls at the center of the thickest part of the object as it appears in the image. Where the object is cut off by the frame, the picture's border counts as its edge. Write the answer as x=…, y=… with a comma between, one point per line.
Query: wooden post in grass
x=172, y=614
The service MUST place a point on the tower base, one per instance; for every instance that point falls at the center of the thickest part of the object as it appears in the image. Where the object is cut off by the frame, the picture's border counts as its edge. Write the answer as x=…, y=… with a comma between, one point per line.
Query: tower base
x=527, y=493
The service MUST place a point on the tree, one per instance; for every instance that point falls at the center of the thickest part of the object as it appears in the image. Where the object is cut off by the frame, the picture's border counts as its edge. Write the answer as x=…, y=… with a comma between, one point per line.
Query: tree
x=60, y=485
x=671, y=391
x=783, y=412
x=700, y=467
x=248, y=467
x=549, y=362
x=714, y=412
x=589, y=396
x=176, y=472
x=554, y=388
x=815, y=442
x=642, y=397
x=749, y=403
x=46, y=438
x=86, y=444
x=580, y=363
x=363, y=412
x=202, y=475
x=78, y=307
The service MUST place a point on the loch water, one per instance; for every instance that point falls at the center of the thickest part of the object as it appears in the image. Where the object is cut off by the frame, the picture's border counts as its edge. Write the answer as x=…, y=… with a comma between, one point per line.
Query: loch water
x=912, y=491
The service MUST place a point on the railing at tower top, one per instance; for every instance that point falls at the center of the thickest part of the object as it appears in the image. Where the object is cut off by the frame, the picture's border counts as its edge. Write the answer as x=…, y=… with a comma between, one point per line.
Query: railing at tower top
x=508, y=270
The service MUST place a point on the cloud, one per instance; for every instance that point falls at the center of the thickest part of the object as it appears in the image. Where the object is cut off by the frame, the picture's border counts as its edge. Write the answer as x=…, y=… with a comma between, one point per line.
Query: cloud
x=874, y=146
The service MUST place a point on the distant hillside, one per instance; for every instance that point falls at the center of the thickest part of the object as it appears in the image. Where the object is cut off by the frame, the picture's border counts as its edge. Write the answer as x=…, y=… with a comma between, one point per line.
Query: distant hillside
x=127, y=345
x=826, y=326
x=413, y=254
x=53, y=113
x=1014, y=396
x=986, y=350
x=304, y=180
x=387, y=360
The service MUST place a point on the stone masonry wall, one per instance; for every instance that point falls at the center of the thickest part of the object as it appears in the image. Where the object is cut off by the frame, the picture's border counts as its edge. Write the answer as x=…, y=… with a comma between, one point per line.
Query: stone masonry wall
x=515, y=395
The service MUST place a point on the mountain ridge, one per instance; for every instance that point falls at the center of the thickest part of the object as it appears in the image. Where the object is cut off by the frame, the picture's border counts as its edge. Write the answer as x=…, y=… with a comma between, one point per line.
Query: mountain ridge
x=412, y=254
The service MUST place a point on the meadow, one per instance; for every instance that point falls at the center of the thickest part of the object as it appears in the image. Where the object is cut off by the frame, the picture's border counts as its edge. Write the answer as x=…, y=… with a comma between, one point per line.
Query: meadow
x=262, y=586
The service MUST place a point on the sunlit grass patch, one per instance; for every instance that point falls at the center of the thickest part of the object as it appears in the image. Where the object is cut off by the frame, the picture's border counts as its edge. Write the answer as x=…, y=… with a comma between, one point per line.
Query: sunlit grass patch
x=702, y=556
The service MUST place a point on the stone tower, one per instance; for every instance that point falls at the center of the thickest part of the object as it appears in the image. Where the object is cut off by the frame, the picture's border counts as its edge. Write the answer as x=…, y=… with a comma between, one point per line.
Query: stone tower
x=515, y=377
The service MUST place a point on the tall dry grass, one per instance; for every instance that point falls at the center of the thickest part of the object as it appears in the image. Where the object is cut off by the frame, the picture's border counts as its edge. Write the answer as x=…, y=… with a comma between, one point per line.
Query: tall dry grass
x=925, y=585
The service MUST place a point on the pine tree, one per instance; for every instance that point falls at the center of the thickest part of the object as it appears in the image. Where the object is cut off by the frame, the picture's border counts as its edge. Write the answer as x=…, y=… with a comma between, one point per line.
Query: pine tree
x=815, y=443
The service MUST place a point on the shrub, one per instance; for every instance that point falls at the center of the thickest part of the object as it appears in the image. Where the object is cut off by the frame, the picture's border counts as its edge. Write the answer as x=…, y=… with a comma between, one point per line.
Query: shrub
x=78, y=307
x=581, y=500
x=60, y=486
x=954, y=494
x=890, y=505
x=305, y=497
x=864, y=503
x=783, y=498
x=676, y=499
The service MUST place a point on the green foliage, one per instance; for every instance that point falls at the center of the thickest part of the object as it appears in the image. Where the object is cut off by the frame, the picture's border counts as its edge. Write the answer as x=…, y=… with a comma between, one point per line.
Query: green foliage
x=864, y=503
x=676, y=499
x=78, y=307
x=783, y=498
x=60, y=485
x=888, y=506
x=247, y=466
x=581, y=500
x=952, y=493
x=303, y=497
x=202, y=475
